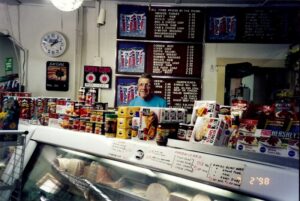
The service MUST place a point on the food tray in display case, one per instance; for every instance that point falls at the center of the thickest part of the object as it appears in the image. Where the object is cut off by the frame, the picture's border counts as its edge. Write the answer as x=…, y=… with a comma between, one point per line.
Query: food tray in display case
x=63, y=174
x=220, y=177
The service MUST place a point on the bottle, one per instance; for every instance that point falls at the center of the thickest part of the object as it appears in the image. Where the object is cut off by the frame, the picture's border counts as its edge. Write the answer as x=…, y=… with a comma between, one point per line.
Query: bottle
x=189, y=132
x=81, y=95
x=110, y=125
x=135, y=124
x=93, y=96
x=162, y=134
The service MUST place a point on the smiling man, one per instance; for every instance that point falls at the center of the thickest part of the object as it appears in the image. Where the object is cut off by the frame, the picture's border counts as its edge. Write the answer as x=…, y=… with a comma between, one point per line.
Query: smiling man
x=145, y=97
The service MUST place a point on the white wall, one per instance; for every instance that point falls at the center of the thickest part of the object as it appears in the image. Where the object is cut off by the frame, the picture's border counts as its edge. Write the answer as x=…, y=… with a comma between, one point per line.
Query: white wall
x=36, y=20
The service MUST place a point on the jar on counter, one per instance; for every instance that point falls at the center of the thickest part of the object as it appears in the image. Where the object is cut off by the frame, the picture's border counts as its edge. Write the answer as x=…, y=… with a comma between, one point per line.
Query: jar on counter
x=182, y=131
x=162, y=134
x=189, y=131
x=110, y=125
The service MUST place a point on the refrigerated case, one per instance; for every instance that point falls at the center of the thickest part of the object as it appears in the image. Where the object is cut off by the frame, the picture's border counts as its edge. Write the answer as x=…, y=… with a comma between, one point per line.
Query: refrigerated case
x=69, y=165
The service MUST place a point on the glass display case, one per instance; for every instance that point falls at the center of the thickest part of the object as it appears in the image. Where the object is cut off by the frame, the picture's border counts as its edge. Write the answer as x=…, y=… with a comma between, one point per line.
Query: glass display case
x=68, y=165
x=55, y=173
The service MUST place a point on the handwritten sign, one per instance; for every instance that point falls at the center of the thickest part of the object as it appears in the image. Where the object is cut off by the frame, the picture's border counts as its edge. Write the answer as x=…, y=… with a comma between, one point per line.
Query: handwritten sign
x=227, y=174
x=120, y=149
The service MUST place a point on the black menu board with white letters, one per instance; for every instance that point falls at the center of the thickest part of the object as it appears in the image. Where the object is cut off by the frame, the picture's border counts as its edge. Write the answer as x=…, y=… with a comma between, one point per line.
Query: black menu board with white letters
x=176, y=24
x=174, y=59
x=253, y=25
x=179, y=93
x=165, y=42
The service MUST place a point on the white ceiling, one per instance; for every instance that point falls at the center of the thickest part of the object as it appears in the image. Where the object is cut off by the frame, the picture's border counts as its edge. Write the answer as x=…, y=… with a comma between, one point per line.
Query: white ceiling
x=207, y=2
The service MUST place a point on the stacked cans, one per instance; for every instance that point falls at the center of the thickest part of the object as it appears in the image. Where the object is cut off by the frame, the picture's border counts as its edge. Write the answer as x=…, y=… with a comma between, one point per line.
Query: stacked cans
x=124, y=121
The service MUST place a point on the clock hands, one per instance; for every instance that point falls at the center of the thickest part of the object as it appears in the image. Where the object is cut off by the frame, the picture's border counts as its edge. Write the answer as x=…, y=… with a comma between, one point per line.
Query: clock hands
x=55, y=41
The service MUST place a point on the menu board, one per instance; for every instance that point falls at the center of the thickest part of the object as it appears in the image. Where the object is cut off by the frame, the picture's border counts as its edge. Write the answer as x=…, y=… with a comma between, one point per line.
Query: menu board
x=174, y=59
x=176, y=24
x=264, y=26
x=161, y=41
x=252, y=25
x=179, y=93
x=161, y=23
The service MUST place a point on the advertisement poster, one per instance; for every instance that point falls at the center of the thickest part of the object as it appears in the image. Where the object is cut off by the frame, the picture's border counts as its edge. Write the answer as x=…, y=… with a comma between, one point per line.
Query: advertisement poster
x=126, y=90
x=57, y=76
x=97, y=77
x=132, y=21
x=222, y=25
x=131, y=57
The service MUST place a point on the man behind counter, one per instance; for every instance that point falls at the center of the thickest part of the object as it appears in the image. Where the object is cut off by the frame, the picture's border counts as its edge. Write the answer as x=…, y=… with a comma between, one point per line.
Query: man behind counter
x=145, y=97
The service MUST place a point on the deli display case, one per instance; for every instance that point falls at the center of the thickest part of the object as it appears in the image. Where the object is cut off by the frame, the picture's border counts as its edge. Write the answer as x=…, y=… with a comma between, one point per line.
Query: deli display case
x=69, y=165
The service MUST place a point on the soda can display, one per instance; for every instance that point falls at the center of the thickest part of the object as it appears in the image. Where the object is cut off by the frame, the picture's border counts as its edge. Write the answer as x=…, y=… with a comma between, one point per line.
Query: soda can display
x=25, y=104
x=99, y=128
x=51, y=105
x=89, y=127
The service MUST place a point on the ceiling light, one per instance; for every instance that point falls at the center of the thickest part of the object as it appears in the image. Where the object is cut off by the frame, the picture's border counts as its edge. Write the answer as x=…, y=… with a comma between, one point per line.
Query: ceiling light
x=67, y=5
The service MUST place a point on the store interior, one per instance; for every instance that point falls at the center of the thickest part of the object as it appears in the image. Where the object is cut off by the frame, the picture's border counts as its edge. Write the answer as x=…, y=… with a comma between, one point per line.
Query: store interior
x=204, y=152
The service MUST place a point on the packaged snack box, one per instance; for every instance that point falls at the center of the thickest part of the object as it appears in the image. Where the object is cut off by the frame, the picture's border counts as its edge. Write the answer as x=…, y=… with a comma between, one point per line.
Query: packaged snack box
x=204, y=109
x=209, y=131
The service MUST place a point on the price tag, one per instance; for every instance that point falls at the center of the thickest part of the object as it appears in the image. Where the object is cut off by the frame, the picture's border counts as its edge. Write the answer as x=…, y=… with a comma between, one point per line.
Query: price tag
x=120, y=149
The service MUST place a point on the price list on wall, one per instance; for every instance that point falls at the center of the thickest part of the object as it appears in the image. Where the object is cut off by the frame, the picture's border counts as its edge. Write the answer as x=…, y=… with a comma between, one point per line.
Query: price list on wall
x=164, y=41
x=265, y=25
x=178, y=93
x=252, y=25
x=174, y=59
x=176, y=24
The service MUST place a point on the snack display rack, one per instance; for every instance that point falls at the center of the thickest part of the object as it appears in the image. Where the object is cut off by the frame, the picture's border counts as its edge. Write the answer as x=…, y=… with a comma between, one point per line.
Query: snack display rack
x=12, y=148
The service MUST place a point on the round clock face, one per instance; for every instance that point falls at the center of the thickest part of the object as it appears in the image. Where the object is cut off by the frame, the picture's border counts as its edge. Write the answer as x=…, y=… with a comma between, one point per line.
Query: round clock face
x=53, y=44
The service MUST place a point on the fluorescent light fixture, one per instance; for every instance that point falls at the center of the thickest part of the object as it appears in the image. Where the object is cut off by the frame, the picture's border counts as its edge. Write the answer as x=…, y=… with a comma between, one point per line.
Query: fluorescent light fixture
x=67, y=5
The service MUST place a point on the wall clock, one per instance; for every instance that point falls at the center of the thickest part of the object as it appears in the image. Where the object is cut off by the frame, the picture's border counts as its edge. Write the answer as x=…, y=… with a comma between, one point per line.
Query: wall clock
x=54, y=44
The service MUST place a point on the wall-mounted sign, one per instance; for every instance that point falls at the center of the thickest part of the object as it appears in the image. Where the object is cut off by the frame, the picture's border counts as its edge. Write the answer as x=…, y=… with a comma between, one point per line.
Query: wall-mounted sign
x=131, y=57
x=8, y=64
x=126, y=90
x=97, y=77
x=176, y=24
x=132, y=21
x=57, y=76
x=252, y=25
x=161, y=23
x=173, y=59
x=179, y=93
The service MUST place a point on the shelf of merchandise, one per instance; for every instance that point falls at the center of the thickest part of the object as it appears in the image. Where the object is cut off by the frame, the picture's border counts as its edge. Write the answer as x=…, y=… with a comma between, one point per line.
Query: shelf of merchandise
x=262, y=176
